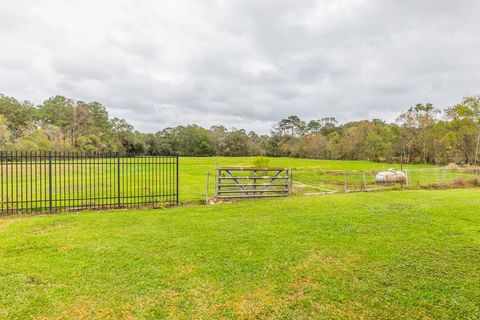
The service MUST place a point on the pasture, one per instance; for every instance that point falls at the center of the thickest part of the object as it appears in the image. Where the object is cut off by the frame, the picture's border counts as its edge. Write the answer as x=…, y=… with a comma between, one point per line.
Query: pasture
x=379, y=255
x=193, y=171
x=71, y=182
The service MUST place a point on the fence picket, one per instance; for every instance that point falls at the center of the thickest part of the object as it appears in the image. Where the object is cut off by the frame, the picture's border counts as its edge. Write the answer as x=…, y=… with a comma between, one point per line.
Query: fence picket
x=56, y=181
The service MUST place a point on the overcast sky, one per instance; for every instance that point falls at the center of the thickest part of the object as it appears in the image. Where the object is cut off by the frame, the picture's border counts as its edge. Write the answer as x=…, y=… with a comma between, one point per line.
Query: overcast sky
x=242, y=63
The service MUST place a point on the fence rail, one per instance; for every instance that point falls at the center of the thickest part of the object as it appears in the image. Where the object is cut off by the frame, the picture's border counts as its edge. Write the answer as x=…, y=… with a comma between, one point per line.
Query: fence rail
x=56, y=181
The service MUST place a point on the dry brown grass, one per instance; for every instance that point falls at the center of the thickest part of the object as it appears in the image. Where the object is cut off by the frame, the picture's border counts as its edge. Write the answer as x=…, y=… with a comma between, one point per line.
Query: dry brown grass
x=455, y=184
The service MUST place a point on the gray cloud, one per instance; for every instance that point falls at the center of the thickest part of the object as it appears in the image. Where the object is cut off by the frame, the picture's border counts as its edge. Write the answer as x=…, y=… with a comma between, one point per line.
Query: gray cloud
x=243, y=63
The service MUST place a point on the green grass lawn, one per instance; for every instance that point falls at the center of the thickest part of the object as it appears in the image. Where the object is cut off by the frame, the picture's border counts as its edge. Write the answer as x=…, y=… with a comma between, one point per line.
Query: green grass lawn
x=408, y=254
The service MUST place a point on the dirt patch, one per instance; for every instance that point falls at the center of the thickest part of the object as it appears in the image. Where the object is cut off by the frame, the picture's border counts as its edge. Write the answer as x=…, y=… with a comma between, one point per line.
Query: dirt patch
x=65, y=248
x=31, y=280
x=83, y=309
x=318, y=260
x=258, y=304
x=452, y=165
x=5, y=221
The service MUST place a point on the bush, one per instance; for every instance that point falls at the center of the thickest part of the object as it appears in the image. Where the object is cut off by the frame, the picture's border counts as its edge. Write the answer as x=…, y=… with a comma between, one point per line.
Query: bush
x=261, y=162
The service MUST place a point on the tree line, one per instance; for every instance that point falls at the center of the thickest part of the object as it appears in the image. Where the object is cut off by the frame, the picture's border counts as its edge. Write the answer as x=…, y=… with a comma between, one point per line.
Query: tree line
x=421, y=134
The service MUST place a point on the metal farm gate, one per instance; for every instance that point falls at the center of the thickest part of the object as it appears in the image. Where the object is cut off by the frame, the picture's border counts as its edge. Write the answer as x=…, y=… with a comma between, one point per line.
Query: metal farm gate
x=56, y=181
x=252, y=182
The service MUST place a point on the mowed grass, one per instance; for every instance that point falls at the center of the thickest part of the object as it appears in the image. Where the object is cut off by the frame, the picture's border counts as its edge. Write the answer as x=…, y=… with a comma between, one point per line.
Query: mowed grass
x=193, y=171
x=379, y=255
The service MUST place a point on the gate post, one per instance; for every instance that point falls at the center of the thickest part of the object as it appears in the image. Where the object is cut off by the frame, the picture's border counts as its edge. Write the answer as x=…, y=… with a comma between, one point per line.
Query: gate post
x=215, y=182
x=291, y=181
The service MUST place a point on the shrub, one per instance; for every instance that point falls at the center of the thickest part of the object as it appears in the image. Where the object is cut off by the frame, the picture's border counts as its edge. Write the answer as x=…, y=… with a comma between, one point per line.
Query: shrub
x=261, y=162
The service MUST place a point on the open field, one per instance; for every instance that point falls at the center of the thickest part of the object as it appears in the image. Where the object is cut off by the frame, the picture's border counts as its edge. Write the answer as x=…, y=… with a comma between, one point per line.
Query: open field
x=92, y=182
x=150, y=182
x=364, y=255
x=193, y=171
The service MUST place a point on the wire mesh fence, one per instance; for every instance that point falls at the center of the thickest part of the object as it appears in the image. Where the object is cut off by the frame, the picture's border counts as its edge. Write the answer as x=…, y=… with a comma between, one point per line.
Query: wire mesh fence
x=39, y=182
x=333, y=181
x=442, y=177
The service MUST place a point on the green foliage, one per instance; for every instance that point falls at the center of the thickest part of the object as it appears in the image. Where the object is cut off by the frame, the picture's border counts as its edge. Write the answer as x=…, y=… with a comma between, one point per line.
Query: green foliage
x=236, y=143
x=18, y=114
x=5, y=134
x=422, y=134
x=186, y=140
x=261, y=162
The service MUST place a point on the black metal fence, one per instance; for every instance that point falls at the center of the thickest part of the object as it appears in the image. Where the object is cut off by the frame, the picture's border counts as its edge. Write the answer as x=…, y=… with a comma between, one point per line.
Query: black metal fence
x=54, y=181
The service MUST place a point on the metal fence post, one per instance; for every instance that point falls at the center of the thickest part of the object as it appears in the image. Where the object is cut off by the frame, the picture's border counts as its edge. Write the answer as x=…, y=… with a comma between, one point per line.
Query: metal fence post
x=177, y=178
x=291, y=181
x=118, y=180
x=50, y=180
x=215, y=173
x=364, y=182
